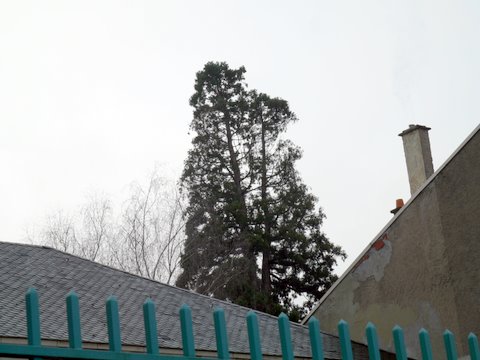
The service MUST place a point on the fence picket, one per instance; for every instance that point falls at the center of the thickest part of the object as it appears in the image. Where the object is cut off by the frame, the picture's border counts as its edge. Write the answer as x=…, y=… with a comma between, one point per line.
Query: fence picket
x=33, y=317
x=425, y=345
x=150, y=321
x=285, y=337
x=73, y=318
x=187, y=331
x=372, y=339
x=399, y=341
x=473, y=346
x=450, y=347
x=254, y=336
x=221, y=334
x=315, y=339
x=345, y=342
x=113, y=323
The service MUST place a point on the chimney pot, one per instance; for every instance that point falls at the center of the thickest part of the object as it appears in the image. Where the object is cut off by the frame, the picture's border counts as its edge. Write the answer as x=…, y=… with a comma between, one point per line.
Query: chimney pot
x=398, y=205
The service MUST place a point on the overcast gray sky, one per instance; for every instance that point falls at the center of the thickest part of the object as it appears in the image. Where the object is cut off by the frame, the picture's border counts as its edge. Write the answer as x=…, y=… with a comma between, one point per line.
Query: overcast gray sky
x=94, y=93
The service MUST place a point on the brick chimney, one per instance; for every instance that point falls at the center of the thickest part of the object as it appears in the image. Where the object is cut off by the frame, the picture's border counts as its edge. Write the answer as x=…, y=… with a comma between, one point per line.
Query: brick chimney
x=416, y=145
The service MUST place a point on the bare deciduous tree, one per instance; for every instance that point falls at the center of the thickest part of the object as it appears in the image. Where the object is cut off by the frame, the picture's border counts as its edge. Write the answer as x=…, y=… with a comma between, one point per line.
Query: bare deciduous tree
x=59, y=233
x=146, y=239
x=97, y=228
x=151, y=230
x=85, y=233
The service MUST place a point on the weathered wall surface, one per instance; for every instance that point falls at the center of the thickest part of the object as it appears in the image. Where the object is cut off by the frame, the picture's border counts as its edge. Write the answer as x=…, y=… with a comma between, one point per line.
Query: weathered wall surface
x=459, y=185
x=424, y=270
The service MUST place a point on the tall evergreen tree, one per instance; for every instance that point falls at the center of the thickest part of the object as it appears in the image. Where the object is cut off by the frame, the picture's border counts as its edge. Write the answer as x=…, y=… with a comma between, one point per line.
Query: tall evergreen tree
x=253, y=229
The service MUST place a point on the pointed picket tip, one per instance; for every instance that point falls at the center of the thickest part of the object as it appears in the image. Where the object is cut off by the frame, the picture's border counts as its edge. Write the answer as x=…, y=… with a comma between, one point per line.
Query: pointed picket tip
x=32, y=291
x=185, y=310
x=397, y=328
x=370, y=325
x=343, y=326
x=148, y=301
x=252, y=316
x=218, y=309
x=283, y=316
x=184, y=307
x=314, y=325
x=72, y=294
x=423, y=331
x=472, y=336
x=112, y=300
x=447, y=332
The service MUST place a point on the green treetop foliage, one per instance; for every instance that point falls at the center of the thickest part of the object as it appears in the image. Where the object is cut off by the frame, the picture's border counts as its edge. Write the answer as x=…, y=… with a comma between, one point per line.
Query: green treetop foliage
x=253, y=232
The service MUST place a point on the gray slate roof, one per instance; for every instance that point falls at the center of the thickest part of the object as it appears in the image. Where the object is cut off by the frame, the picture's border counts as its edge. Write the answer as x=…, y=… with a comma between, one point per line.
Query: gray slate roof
x=54, y=273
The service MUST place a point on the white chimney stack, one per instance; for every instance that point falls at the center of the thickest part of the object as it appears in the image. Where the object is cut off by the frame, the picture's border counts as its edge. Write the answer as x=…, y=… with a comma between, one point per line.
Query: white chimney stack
x=416, y=145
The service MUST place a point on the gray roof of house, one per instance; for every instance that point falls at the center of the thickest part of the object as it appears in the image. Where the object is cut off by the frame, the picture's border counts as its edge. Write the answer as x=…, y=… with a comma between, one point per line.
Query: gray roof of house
x=54, y=273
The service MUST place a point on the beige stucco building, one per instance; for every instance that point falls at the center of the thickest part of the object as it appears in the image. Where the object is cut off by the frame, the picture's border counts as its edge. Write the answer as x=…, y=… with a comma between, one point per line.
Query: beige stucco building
x=423, y=269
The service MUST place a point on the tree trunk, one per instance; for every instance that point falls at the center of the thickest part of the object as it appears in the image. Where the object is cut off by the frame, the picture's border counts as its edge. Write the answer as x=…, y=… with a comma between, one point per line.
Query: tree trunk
x=266, y=281
x=236, y=175
x=243, y=216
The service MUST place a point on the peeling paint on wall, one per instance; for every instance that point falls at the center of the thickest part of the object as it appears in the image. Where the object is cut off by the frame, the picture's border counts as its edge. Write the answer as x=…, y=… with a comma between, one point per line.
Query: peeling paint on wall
x=374, y=261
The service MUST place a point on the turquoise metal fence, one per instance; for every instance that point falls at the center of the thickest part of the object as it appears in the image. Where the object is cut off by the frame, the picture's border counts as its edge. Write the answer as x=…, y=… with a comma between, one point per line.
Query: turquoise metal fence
x=35, y=350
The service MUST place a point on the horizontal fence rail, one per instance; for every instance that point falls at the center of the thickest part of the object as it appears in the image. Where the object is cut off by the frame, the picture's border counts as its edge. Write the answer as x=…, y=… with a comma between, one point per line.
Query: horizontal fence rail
x=35, y=350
